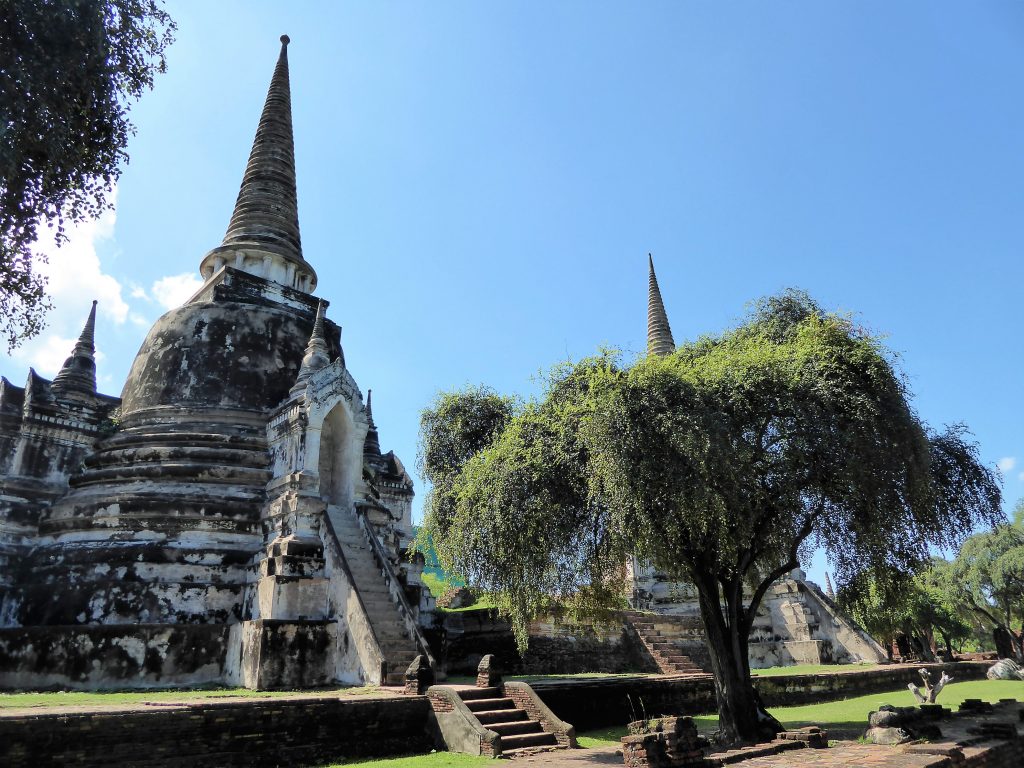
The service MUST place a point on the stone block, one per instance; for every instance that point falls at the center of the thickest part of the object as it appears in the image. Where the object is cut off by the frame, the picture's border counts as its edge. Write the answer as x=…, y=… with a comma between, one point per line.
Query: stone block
x=287, y=654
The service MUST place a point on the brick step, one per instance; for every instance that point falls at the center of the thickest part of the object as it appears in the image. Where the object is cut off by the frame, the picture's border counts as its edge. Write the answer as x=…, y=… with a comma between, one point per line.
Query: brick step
x=527, y=740
x=479, y=693
x=502, y=716
x=489, y=705
x=517, y=728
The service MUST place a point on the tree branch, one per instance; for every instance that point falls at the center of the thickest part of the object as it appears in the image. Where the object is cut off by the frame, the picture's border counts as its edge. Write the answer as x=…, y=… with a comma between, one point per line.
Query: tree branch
x=779, y=572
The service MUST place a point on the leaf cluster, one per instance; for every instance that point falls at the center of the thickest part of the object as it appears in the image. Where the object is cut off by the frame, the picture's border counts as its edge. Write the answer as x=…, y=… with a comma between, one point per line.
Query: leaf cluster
x=988, y=575
x=68, y=72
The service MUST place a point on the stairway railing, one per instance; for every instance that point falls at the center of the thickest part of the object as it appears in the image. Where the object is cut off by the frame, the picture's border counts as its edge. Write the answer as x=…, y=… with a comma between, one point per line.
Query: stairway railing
x=395, y=588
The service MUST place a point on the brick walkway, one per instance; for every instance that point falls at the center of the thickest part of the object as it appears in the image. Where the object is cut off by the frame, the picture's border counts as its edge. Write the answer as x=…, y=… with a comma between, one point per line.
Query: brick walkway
x=959, y=735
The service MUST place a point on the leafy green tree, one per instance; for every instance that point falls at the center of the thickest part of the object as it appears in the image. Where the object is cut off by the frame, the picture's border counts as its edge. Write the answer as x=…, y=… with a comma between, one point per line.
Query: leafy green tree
x=721, y=464
x=918, y=606
x=989, y=577
x=939, y=608
x=68, y=72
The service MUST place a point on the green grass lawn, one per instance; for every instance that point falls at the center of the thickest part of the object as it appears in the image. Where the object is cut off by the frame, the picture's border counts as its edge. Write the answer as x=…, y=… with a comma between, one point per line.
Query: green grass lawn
x=80, y=698
x=438, y=586
x=846, y=718
x=808, y=669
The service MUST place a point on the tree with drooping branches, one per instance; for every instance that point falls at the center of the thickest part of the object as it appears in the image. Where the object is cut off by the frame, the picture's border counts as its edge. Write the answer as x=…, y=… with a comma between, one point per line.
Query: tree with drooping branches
x=723, y=464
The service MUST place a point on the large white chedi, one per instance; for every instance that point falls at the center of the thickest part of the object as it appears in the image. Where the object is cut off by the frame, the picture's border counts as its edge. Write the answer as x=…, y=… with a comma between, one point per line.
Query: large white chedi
x=230, y=518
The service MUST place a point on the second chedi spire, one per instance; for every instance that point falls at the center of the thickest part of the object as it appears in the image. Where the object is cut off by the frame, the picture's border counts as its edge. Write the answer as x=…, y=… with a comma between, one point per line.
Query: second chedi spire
x=659, y=333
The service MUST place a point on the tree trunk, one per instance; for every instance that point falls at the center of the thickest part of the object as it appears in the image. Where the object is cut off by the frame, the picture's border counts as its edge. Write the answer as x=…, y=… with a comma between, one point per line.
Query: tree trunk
x=1004, y=643
x=741, y=716
x=924, y=639
x=948, y=655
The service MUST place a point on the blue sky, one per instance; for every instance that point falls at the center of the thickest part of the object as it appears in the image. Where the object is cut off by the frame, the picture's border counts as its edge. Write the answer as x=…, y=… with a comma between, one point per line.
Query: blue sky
x=480, y=184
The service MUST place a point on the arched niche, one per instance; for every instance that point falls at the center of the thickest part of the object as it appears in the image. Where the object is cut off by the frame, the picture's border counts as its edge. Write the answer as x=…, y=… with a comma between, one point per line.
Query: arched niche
x=340, y=457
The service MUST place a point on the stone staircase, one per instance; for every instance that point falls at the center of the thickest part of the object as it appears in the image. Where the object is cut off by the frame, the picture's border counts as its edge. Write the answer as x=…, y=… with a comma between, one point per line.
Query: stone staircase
x=499, y=713
x=662, y=636
x=398, y=647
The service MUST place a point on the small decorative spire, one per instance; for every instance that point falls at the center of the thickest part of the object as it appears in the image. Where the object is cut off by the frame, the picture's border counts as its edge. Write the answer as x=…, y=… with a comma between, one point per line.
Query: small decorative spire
x=829, y=592
x=78, y=374
x=371, y=446
x=35, y=390
x=317, y=353
x=659, y=334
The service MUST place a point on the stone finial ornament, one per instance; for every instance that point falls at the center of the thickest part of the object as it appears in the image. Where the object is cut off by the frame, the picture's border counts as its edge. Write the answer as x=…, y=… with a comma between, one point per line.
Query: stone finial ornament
x=659, y=333
x=317, y=353
x=78, y=374
x=419, y=676
x=488, y=674
x=263, y=234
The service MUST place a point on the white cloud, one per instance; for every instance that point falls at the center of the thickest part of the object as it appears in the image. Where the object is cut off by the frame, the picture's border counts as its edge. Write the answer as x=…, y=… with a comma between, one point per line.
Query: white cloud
x=174, y=290
x=1021, y=477
x=75, y=277
x=75, y=274
x=1006, y=463
x=48, y=353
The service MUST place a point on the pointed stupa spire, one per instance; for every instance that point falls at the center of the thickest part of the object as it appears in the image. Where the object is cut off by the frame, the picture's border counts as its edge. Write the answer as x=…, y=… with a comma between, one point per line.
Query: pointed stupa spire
x=659, y=334
x=829, y=592
x=263, y=235
x=371, y=446
x=317, y=353
x=78, y=374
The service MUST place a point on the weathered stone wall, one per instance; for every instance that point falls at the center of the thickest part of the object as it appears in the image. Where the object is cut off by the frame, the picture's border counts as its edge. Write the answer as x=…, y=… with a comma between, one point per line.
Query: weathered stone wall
x=285, y=732
x=795, y=622
x=97, y=657
x=460, y=639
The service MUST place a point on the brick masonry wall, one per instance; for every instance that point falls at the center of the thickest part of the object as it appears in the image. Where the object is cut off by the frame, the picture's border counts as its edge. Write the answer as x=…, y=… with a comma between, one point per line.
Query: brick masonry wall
x=461, y=639
x=283, y=732
x=602, y=703
x=790, y=690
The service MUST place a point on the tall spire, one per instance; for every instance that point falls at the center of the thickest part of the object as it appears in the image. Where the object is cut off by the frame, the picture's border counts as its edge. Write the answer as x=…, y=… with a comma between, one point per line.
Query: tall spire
x=659, y=334
x=317, y=354
x=78, y=373
x=263, y=234
x=371, y=446
x=829, y=592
